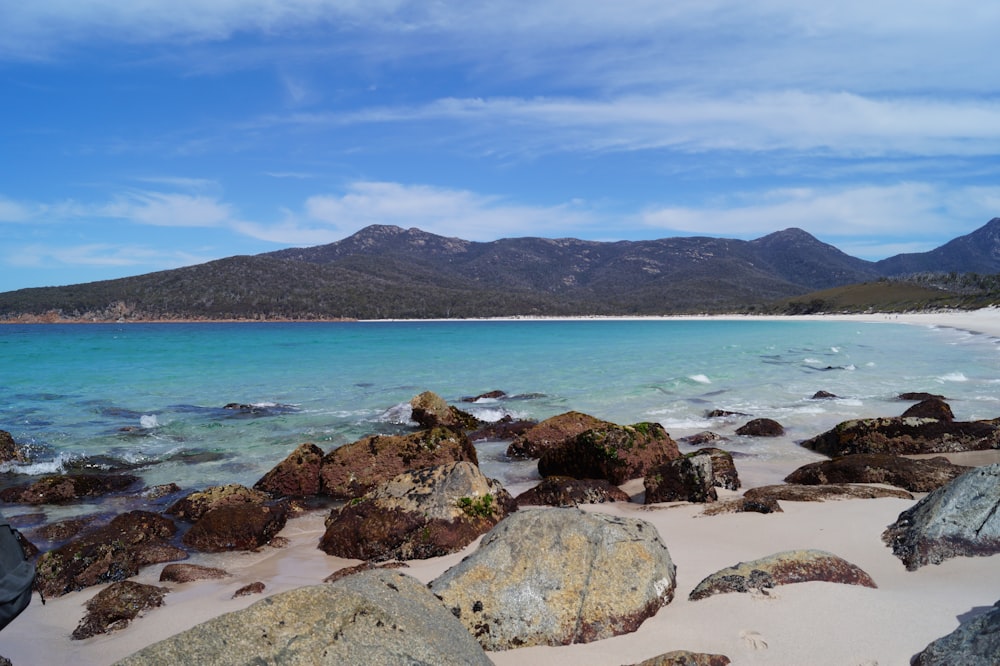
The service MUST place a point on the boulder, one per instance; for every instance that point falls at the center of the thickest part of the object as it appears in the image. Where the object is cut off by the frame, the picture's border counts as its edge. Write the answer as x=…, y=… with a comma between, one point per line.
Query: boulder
x=687, y=479
x=567, y=491
x=761, y=428
x=63, y=488
x=504, y=429
x=823, y=395
x=192, y=507
x=792, y=492
x=612, y=452
x=377, y=617
x=724, y=473
x=353, y=469
x=116, y=606
x=916, y=475
x=976, y=642
x=743, y=505
x=722, y=414
x=917, y=396
x=931, y=408
x=702, y=438
x=295, y=476
x=112, y=553
x=427, y=513
x=685, y=658
x=187, y=573
x=236, y=527
x=550, y=432
x=961, y=518
x=792, y=566
x=552, y=576
x=9, y=449
x=489, y=395
x=906, y=435
x=256, y=587
x=431, y=411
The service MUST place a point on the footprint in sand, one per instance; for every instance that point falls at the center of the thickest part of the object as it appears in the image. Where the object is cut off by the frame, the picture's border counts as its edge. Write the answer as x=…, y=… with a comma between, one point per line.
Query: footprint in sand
x=753, y=640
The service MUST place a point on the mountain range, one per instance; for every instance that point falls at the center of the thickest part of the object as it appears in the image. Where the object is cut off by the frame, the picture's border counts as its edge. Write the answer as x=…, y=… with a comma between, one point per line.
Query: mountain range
x=385, y=272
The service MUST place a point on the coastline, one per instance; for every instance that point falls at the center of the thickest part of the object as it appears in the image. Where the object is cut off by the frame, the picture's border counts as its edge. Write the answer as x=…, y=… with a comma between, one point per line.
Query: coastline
x=813, y=623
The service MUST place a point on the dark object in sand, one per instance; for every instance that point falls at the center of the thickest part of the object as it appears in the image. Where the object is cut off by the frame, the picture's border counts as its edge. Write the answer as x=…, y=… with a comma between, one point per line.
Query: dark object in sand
x=116, y=606
x=916, y=475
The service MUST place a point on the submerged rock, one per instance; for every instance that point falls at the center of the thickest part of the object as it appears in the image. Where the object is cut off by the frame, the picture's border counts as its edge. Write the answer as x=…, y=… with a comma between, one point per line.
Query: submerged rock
x=375, y=617
x=611, y=452
x=116, y=606
x=959, y=519
x=793, y=566
x=550, y=432
x=919, y=476
x=567, y=491
x=976, y=642
x=426, y=513
x=63, y=488
x=559, y=576
x=354, y=469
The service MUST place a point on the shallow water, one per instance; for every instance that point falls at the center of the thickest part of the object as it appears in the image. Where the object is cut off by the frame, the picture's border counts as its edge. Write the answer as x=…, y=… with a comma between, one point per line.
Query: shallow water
x=152, y=397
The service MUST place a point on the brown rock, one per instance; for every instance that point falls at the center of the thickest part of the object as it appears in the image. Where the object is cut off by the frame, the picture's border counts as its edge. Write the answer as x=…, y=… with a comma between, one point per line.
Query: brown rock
x=431, y=411
x=823, y=395
x=724, y=473
x=197, y=504
x=906, y=435
x=9, y=449
x=416, y=515
x=761, y=428
x=567, y=491
x=110, y=554
x=116, y=606
x=550, y=432
x=833, y=491
x=612, y=452
x=917, y=396
x=685, y=658
x=920, y=476
x=295, y=476
x=352, y=470
x=63, y=488
x=931, y=408
x=687, y=479
x=794, y=566
x=256, y=587
x=236, y=527
x=489, y=395
x=187, y=573
x=702, y=438
x=364, y=566
x=505, y=428
x=743, y=505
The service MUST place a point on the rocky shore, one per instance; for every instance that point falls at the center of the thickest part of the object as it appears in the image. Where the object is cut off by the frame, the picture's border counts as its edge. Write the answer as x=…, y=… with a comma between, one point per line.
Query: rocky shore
x=634, y=547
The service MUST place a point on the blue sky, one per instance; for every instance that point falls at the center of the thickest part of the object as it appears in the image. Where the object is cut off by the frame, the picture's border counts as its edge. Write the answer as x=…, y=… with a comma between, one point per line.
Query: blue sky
x=152, y=134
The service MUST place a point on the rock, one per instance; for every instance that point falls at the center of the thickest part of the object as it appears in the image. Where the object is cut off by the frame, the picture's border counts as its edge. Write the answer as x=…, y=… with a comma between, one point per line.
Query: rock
x=112, y=553
x=64, y=530
x=9, y=449
x=906, y=435
x=295, y=476
x=379, y=617
x=724, y=473
x=823, y=395
x=427, y=513
x=197, y=504
x=793, y=566
x=256, y=587
x=612, y=452
x=63, y=488
x=558, y=576
x=160, y=491
x=352, y=470
x=832, y=491
x=364, y=566
x=687, y=479
x=961, y=518
x=505, y=428
x=723, y=414
x=187, y=573
x=917, y=396
x=489, y=395
x=931, y=408
x=743, y=505
x=431, y=411
x=761, y=428
x=916, y=475
x=976, y=642
x=702, y=438
x=116, y=606
x=685, y=658
x=236, y=527
x=567, y=491
x=550, y=432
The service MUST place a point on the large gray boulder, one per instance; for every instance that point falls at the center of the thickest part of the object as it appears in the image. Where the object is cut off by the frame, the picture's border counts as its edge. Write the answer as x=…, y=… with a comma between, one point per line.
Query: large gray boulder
x=976, y=642
x=416, y=515
x=375, y=617
x=959, y=519
x=553, y=576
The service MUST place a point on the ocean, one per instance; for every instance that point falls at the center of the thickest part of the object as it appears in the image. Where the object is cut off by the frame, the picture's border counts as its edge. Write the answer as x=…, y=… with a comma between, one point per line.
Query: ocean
x=151, y=398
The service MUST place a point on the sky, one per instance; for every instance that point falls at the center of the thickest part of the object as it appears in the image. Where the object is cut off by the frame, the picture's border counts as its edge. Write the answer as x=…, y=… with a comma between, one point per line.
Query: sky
x=152, y=134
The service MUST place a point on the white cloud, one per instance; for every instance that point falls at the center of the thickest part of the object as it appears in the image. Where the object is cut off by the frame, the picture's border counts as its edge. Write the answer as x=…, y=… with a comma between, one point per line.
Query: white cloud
x=97, y=255
x=169, y=210
x=13, y=211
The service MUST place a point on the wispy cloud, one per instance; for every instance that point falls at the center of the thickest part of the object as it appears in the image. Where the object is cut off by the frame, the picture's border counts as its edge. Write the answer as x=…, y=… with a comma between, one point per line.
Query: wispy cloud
x=168, y=209
x=98, y=255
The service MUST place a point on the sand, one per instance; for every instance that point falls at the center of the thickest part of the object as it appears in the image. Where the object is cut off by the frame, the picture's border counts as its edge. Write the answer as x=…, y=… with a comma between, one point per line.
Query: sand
x=806, y=623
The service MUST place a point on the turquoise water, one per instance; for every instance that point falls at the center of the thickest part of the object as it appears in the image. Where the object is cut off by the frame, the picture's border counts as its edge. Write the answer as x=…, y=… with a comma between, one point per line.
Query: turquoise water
x=150, y=396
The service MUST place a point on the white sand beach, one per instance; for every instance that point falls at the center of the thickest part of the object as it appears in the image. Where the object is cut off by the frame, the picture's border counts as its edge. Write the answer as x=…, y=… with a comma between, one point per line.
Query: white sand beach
x=807, y=623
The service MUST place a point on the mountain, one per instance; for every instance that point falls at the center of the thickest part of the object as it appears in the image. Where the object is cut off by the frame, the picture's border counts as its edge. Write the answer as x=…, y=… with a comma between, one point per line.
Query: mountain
x=389, y=272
